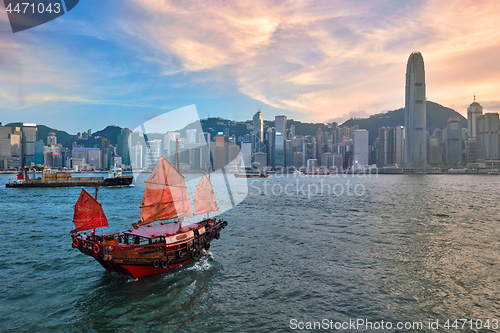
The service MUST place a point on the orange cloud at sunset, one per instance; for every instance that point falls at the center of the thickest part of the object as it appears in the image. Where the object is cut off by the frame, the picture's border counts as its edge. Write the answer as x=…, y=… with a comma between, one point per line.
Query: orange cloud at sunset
x=327, y=59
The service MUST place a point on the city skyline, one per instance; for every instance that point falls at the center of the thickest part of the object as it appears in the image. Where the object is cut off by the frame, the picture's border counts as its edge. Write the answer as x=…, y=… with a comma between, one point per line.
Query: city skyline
x=277, y=147
x=311, y=61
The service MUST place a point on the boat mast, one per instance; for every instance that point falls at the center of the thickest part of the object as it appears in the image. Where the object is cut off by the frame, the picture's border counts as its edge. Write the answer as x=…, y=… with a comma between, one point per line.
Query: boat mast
x=178, y=169
x=209, y=167
x=177, y=153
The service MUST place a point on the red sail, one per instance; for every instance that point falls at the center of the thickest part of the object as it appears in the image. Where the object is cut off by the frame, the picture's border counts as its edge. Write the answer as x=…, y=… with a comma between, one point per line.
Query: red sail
x=204, y=199
x=88, y=213
x=166, y=196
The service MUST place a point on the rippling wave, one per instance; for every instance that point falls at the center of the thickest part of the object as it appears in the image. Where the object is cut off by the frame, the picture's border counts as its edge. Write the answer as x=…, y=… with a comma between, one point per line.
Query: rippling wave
x=411, y=248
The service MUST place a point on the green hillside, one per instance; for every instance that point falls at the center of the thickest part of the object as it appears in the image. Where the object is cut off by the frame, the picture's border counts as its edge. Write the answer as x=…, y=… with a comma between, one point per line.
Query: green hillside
x=437, y=117
x=43, y=132
x=215, y=125
x=111, y=133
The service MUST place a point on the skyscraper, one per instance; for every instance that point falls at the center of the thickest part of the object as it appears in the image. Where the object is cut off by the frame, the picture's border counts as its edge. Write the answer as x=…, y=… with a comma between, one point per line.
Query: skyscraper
x=473, y=111
x=487, y=137
x=191, y=135
x=123, y=145
x=415, y=113
x=51, y=139
x=319, y=148
x=361, y=146
x=258, y=145
x=454, y=149
x=30, y=135
x=280, y=142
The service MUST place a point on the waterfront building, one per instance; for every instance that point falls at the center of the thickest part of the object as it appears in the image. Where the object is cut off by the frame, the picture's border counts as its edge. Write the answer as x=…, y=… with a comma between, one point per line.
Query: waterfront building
x=153, y=153
x=454, y=145
x=29, y=137
x=51, y=139
x=124, y=143
x=337, y=160
x=327, y=160
x=258, y=145
x=473, y=111
x=246, y=154
x=136, y=157
x=270, y=143
x=92, y=156
x=487, y=145
x=234, y=154
x=169, y=142
x=280, y=141
x=415, y=113
x=260, y=160
x=288, y=153
x=434, y=151
x=191, y=135
x=10, y=147
x=308, y=149
x=360, y=143
x=220, y=152
x=319, y=146
x=297, y=159
x=292, y=132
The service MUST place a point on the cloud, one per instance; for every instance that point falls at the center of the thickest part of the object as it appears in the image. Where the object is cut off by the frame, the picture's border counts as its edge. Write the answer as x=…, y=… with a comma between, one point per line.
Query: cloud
x=321, y=57
x=315, y=59
x=351, y=114
x=491, y=105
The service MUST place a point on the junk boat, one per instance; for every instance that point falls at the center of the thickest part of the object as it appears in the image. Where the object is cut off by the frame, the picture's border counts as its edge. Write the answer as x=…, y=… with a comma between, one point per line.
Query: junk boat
x=65, y=179
x=149, y=249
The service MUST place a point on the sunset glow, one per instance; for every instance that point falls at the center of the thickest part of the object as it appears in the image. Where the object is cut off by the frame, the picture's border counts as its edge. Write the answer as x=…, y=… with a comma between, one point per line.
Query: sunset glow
x=312, y=60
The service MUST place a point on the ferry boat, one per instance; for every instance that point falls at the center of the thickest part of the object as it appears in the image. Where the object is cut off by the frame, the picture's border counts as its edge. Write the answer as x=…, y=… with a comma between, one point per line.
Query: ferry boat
x=65, y=179
x=317, y=171
x=149, y=249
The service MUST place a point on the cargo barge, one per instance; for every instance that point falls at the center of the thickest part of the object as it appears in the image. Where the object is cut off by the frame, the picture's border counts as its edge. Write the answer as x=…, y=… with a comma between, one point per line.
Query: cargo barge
x=65, y=179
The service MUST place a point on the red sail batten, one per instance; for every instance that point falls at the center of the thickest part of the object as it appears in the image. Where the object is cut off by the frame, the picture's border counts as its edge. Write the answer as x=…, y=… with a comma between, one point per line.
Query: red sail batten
x=165, y=196
x=204, y=198
x=88, y=213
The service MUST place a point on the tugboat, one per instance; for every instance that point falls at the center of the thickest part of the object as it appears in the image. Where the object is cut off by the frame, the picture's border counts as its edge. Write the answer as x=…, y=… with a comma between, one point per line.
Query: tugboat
x=149, y=249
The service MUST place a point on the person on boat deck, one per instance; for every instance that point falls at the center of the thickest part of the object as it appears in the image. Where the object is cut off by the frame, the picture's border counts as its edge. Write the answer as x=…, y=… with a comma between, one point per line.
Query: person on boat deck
x=84, y=236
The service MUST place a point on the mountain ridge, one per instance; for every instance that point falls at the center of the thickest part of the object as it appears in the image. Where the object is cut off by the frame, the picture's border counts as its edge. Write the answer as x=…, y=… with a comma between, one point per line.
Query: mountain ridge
x=437, y=117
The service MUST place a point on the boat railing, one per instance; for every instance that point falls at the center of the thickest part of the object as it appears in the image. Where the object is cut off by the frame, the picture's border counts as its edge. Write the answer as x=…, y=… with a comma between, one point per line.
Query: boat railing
x=86, y=242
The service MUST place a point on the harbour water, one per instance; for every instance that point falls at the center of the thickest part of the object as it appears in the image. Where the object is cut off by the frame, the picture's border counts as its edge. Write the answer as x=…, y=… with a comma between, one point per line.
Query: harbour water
x=403, y=248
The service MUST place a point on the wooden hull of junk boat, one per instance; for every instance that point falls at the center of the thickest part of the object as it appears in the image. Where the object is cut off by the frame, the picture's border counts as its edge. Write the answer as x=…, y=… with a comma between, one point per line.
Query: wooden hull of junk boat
x=161, y=254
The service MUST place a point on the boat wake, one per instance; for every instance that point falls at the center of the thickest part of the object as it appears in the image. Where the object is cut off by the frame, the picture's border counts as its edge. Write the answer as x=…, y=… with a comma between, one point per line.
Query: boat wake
x=202, y=265
x=132, y=280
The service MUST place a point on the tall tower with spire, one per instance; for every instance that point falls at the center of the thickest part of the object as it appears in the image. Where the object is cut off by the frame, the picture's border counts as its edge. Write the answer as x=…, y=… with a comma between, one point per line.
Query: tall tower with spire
x=473, y=111
x=258, y=145
x=415, y=113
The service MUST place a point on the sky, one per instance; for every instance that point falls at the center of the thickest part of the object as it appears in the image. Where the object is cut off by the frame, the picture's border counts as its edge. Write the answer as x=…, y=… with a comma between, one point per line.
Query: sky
x=125, y=62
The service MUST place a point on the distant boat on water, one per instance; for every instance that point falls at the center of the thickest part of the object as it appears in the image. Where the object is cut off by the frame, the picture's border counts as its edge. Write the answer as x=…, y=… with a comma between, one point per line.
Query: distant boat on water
x=251, y=175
